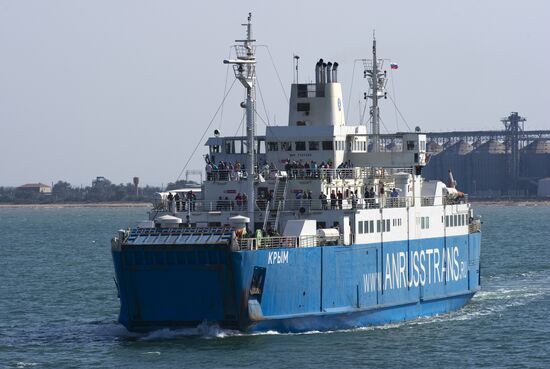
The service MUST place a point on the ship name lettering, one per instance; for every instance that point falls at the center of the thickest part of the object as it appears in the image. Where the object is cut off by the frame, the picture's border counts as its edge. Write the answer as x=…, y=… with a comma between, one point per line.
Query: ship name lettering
x=417, y=268
x=277, y=257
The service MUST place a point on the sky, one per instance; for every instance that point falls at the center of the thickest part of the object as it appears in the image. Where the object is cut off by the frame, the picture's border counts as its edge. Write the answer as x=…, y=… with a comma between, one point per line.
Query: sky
x=127, y=88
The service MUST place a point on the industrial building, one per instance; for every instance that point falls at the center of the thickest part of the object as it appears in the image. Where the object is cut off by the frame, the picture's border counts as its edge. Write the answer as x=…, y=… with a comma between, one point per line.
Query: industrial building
x=33, y=188
x=512, y=162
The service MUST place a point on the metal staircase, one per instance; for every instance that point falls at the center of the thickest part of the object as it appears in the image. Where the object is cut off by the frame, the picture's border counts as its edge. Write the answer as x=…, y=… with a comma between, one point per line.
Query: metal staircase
x=276, y=205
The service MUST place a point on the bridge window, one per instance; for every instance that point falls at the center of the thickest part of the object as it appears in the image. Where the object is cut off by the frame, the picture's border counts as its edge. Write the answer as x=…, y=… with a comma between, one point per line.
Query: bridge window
x=286, y=146
x=410, y=145
x=300, y=146
x=327, y=145
x=313, y=145
x=272, y=146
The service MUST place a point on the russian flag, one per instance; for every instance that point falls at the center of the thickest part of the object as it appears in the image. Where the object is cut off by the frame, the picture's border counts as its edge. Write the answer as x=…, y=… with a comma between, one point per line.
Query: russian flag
x=394, y=66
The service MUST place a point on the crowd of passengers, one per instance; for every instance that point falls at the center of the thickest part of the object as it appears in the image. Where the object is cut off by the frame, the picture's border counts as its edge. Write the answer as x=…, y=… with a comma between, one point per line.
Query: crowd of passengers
x=302, y=198
x=181, y=202
x=227, y=171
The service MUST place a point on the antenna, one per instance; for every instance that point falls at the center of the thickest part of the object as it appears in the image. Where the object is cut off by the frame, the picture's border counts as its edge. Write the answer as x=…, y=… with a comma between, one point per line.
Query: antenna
x=295, y=61
x=244, y=68
x=377, y=85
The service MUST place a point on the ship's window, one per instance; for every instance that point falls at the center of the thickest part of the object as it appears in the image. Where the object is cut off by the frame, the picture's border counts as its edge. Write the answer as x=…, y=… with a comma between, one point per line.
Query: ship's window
x=456, y=220
x=238, y=147
x=327, y=145
x=272, y=146
x=422, y=224
x=302, y=90
x=377, y=226
x=427, y=222
x=215, y=148
x=313, y=145
x=286, y=146
x=229, y=147
x=303, y=107
x=321, y=225
x=360, y=226
x=300, y=146
x=387, y=225
x=410, y=145
x=446, y=220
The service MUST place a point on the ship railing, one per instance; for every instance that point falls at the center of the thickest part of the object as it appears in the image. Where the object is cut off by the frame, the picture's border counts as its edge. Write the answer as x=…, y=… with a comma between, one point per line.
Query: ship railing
x=277, y=242
x=304, y=204
x=344, y=173
x=307, y=173
x=346, y=204
x=224, y=175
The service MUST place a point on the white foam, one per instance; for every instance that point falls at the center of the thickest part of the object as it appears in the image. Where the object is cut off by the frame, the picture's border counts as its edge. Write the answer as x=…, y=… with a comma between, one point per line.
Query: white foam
x=22, y=364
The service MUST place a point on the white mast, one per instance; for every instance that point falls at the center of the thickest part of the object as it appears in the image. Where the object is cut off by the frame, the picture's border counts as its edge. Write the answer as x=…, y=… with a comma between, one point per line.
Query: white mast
x=377, y=84
x=245, y=71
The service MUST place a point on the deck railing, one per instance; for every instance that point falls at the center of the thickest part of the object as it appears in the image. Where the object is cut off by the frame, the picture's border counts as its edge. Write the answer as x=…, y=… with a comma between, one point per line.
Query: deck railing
x=282, y=242
x=311, y=173
x=305, y=204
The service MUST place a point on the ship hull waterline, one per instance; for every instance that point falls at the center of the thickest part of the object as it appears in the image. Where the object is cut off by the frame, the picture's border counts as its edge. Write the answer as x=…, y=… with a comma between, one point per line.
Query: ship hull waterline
x=320, y=288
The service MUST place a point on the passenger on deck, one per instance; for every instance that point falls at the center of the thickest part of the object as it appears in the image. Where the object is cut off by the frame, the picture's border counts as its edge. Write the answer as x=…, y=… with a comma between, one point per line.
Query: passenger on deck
x=239, y=201
x=332, y=200
x=323, y=199
x=340, y=199
x=177, y=198
x=170, y=198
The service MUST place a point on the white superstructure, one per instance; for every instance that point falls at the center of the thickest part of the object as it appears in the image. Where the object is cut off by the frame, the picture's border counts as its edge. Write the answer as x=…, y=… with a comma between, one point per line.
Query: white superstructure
x=366, y=185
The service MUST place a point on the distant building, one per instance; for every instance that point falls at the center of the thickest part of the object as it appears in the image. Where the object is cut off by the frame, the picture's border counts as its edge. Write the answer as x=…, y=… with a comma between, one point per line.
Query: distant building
x=100, y=182
x=35, y=188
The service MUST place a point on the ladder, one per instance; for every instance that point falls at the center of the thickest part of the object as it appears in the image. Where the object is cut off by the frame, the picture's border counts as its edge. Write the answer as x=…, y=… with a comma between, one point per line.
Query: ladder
x=277, y=204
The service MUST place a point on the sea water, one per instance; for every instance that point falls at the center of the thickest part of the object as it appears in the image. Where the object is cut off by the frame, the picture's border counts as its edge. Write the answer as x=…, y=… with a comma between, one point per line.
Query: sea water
x=58, y=306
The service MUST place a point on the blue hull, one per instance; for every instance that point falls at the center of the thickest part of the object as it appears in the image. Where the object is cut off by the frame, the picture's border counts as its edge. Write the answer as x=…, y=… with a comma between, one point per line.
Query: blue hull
x=295, y=289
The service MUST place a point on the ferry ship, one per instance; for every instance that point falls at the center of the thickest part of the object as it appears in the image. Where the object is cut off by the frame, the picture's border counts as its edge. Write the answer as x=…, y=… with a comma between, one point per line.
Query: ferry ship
x=318, y=225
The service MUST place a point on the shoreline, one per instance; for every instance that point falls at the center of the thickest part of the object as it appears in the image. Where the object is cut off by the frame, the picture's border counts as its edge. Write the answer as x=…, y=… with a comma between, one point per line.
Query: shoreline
x=511, y=202
x=80, y=205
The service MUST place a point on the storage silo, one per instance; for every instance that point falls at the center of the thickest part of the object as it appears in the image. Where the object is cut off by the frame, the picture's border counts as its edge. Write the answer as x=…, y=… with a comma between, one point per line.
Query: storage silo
x=535, y=159
x=452, y=158
x=487, y=169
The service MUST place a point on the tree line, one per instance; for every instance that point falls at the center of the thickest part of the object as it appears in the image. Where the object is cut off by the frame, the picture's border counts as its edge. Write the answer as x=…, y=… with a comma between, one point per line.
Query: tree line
x=99, y=191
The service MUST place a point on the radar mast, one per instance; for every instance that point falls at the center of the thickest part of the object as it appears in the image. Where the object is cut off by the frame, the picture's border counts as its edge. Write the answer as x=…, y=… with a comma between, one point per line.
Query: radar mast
x=244, y=67
x=377, y=85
